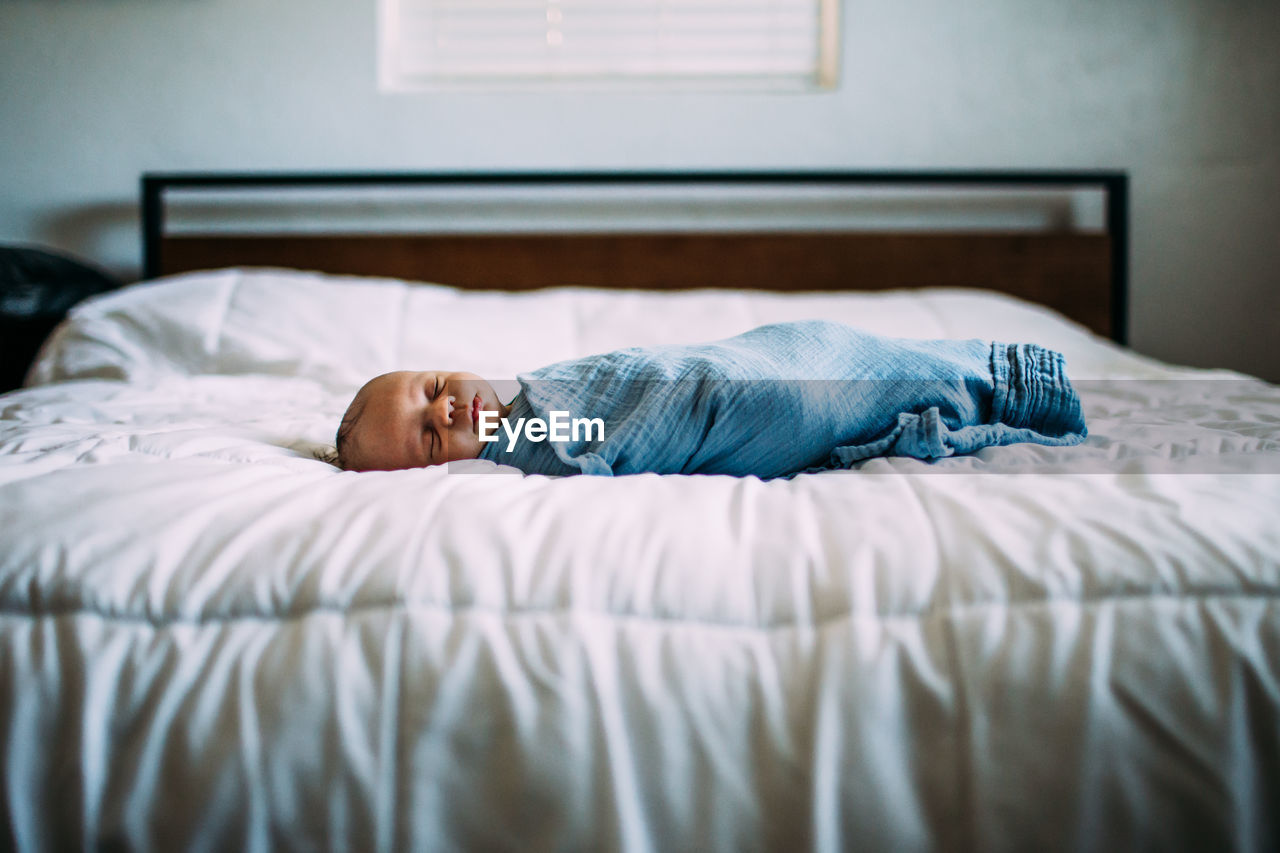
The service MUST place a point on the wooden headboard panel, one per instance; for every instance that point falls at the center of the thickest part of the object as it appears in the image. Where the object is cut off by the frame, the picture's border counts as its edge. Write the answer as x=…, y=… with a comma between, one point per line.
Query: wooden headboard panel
x=1080, y=273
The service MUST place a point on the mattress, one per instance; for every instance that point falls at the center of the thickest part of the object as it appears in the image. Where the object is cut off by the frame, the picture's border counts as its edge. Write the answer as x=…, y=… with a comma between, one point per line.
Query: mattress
x=212, y=638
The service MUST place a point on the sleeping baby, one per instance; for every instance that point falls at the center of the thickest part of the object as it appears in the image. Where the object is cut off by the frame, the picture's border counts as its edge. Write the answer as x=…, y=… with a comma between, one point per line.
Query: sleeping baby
x=776, y=401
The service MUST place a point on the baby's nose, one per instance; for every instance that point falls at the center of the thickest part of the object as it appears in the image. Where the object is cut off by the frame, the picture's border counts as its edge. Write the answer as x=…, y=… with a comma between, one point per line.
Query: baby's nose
x=446, y=409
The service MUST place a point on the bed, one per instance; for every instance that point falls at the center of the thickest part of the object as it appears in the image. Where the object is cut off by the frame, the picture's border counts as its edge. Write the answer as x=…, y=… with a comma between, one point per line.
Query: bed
x=212, y=638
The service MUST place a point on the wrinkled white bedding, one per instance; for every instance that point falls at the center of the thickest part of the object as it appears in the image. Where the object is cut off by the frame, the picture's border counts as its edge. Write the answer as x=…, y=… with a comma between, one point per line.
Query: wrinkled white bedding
x=210, y=638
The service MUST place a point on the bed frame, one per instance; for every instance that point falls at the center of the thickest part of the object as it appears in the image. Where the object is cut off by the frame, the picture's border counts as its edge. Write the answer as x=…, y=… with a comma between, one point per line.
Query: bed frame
x=1080, y=273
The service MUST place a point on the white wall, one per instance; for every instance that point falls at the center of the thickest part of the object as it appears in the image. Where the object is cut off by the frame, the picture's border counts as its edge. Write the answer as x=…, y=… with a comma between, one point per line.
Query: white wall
x=1183, y=93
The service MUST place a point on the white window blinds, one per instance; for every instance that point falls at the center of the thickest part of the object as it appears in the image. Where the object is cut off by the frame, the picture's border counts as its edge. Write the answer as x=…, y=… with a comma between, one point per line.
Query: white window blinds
x=752, y=44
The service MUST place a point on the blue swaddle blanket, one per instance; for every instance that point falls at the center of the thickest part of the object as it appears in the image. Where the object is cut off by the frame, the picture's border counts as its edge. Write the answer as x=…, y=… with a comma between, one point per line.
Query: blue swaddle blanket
x=792, y=397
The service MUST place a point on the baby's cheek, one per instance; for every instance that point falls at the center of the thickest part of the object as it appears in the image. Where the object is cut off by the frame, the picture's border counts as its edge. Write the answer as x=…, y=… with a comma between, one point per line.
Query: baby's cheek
x=463, y=446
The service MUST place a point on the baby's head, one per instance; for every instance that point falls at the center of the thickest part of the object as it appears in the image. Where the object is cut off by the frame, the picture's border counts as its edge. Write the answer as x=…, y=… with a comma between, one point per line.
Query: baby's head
x=409, y=420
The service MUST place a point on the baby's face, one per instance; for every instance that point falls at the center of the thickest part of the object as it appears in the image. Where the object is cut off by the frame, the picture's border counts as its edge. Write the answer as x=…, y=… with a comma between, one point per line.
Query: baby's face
x=410, y=420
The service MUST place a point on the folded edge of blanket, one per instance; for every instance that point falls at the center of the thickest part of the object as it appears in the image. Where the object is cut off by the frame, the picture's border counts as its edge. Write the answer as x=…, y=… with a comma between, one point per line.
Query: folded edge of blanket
x=1032, y=391
x=1032, y=401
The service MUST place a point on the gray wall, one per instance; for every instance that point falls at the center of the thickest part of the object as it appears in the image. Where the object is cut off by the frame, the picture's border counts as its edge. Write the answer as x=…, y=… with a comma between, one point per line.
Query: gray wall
x=1183, y=93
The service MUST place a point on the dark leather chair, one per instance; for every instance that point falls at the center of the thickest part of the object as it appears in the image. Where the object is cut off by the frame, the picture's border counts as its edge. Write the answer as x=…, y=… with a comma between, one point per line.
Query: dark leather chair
x=37, y=288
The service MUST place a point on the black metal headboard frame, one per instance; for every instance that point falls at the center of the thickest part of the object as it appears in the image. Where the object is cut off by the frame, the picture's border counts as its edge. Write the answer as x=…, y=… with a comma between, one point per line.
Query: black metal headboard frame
x=1115, y=185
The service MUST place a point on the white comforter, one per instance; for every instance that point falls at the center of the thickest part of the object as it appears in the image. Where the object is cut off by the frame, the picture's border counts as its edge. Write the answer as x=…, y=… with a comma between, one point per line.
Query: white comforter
x=212, y=639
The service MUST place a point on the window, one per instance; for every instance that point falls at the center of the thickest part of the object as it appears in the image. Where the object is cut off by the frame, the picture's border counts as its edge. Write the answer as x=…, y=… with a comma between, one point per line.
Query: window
x=705, y=44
